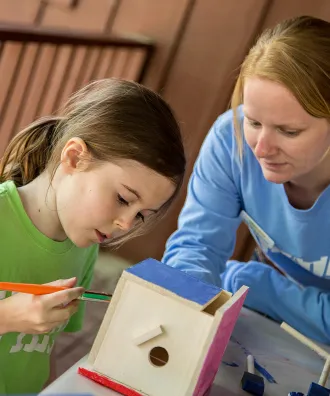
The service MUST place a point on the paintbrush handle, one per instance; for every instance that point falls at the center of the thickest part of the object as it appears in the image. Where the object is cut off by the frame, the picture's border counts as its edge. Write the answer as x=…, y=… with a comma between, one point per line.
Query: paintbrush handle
x=325, y=373
x=309, y=343
x=30, y=288
x=250, y=364
x=39, y=290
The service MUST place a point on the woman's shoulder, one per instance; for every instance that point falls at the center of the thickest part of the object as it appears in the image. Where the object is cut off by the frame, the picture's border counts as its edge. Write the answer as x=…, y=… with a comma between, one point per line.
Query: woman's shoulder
x=222, y=132
x=224, y=123
x=221, y=137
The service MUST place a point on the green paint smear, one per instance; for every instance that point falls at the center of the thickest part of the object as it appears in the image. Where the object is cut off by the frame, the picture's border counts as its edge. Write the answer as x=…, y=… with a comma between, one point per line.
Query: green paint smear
x=96, y=296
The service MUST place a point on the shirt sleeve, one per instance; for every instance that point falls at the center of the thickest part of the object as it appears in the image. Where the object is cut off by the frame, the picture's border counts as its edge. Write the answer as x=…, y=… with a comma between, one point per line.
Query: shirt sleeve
x=76, y=321
x=207, y=224
x=306, y=309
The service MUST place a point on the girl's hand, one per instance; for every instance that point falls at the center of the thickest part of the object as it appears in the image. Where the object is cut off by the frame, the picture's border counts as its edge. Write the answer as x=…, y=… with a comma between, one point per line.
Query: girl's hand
x=30, y=314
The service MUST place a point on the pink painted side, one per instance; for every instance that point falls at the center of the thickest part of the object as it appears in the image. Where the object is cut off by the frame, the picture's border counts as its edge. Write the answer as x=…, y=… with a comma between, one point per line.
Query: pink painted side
x=218, y=347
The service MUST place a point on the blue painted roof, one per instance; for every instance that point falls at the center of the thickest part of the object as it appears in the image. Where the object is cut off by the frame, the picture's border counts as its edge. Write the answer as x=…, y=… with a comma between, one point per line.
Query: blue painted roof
x=175, y=280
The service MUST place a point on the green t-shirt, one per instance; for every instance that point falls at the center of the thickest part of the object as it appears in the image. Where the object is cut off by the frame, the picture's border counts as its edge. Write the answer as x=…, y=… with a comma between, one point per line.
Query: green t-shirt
x=28, y=256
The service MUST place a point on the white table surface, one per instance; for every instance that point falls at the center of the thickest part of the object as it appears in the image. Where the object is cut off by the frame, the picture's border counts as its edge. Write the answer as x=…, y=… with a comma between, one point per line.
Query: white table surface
x=290, y=363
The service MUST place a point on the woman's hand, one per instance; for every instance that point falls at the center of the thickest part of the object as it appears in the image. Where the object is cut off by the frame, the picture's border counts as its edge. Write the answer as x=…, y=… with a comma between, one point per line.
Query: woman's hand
x=31, y=314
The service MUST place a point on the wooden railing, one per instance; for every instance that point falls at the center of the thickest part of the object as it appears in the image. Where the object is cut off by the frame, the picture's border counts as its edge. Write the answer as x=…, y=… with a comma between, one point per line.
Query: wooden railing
x=40, y=68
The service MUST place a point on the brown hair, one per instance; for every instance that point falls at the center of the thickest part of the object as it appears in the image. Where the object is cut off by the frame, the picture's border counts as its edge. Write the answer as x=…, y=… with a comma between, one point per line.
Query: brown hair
x=117, y=119
x=296, y=54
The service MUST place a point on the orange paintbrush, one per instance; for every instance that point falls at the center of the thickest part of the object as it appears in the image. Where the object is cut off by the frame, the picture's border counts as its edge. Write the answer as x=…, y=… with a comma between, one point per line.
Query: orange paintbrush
x=36, y=289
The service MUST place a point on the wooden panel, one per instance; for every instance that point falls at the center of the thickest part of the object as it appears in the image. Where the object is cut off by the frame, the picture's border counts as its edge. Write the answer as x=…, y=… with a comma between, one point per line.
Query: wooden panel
x=89, y=65
x=54, y=86
x=119, y=63
x=32, y=58
x=134, y=64
x=35, y=94
x=71, y=75
x=105, y=62
x=157, y=19
x=125, y=63
x=64, y=3
x=9, y=58
x=214, y=45
x=89, y=15
x=18, y=11
x=199, y=87
x=15, y=93
x=282, y=9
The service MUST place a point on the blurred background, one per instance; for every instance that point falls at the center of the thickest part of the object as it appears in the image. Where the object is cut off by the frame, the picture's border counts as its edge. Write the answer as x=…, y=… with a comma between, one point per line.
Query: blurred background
x=188, y=50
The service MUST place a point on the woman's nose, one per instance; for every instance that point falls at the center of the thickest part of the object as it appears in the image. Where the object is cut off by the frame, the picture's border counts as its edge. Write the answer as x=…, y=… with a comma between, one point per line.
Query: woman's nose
x=265, y=146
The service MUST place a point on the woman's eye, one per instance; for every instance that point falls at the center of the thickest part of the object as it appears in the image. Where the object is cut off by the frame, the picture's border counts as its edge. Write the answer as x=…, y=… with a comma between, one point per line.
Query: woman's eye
x=140, y=216
x=291, y=133
x=254, y=124
x=121, y=200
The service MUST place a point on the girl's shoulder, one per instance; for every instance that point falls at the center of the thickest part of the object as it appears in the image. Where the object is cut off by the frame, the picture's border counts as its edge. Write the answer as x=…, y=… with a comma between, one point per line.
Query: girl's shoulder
x=7, y=188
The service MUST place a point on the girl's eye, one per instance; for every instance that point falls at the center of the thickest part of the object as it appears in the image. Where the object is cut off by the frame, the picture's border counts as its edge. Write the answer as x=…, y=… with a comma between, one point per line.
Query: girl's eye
x=121, y=200
x=140, y=216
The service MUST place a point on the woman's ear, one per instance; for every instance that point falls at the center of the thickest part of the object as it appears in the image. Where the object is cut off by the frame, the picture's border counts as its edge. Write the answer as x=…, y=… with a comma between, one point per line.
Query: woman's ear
x=75, y=156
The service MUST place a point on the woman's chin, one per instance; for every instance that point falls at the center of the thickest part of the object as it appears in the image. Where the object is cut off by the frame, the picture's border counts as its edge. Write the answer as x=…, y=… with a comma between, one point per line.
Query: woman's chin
x=275, y=177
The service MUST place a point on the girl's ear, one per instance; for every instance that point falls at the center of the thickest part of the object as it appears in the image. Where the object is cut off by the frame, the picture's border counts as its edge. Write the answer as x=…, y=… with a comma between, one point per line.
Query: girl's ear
x=75, y=156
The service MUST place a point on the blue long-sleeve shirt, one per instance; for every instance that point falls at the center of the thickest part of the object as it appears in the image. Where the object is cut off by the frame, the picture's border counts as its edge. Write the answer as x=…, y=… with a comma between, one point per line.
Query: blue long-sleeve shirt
x=221, y=192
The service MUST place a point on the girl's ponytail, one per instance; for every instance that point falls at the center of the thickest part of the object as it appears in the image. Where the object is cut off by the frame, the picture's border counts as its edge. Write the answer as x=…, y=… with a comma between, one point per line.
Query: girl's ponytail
x=28, y=153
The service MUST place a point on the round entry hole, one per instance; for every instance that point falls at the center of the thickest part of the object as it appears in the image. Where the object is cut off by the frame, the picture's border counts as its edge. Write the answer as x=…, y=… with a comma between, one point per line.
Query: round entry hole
x=158, y=356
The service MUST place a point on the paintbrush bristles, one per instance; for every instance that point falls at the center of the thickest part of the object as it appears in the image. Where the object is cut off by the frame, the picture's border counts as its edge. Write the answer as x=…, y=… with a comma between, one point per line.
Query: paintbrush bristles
x=82, y=298
x=96, y=292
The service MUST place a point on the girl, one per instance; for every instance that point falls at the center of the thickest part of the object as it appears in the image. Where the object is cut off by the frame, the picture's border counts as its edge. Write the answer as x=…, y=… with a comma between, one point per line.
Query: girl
x=104, y=171
x=268, y=162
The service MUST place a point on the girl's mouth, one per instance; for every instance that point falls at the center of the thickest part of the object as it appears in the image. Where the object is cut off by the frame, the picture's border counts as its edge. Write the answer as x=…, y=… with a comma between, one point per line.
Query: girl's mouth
x=100, y=236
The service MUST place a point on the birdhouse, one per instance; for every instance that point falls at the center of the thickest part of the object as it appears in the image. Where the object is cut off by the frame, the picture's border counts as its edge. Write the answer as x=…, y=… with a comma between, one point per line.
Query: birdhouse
x=164, y=333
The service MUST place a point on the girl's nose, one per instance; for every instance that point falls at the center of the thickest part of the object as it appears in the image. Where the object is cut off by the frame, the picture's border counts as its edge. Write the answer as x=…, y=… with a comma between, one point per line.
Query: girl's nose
x=125, y=223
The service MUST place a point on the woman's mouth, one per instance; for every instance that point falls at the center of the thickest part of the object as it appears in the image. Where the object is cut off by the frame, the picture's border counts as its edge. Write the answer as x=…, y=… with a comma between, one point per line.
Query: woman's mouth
x=274, y=165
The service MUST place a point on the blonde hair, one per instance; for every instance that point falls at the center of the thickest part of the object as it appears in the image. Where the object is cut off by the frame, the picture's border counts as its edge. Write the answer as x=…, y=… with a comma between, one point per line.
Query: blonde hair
x=296, y=54
x=117, y=119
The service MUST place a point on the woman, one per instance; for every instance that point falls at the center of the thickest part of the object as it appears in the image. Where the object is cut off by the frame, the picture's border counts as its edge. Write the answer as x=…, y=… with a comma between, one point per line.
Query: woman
x=267, y=161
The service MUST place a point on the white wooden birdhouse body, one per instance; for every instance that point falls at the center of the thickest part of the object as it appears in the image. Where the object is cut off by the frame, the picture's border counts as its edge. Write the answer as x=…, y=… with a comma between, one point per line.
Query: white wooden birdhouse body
x=164, y=332
x=169, y=356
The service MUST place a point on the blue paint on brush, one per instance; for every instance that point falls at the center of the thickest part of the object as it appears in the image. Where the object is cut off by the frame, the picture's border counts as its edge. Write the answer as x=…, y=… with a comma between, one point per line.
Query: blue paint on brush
x=257, y=366
x=264, y=372
x=230, y=364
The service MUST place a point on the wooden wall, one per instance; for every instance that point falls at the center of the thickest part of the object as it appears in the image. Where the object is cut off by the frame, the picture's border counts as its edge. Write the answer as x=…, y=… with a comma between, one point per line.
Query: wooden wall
x=200, y=45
